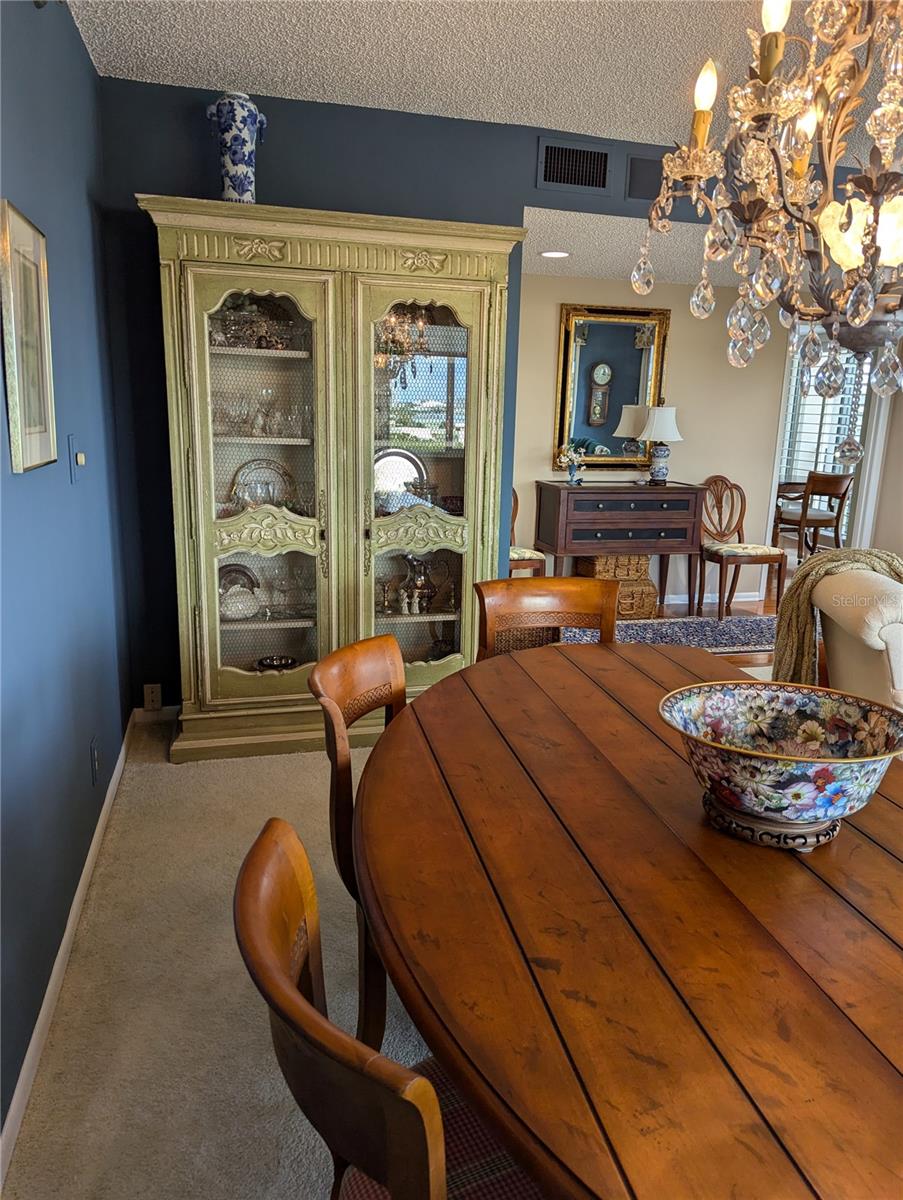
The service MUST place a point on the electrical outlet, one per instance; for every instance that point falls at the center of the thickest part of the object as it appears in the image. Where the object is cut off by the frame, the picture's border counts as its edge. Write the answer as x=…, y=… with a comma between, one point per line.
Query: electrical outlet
x=153, y=697
x=95, y=761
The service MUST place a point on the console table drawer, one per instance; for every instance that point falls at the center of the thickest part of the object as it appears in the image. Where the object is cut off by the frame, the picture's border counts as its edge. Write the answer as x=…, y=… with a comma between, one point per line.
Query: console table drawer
x=610, y=539
x=591, y=506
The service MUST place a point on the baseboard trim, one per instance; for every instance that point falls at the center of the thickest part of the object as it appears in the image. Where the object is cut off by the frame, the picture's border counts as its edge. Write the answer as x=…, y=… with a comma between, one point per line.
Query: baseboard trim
x=153, y=716
x=712, y=598
x=32, y=1059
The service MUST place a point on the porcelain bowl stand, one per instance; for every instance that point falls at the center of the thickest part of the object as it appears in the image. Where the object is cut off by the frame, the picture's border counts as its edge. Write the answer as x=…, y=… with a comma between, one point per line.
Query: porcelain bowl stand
x=766, y=831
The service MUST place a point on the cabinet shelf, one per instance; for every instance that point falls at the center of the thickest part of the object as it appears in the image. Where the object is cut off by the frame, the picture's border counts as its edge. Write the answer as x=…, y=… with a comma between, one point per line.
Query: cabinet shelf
x=426, y=449
x=253, y=352
x=279, y=623
x=413, y=618
x=236, y=438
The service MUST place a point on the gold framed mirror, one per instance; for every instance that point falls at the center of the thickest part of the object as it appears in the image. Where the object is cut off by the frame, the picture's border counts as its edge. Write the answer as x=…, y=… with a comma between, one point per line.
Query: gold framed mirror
x=608, y=358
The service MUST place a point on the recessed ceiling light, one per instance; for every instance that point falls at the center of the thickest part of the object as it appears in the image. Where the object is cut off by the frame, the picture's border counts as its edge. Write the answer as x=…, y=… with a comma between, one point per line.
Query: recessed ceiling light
x=554, y=254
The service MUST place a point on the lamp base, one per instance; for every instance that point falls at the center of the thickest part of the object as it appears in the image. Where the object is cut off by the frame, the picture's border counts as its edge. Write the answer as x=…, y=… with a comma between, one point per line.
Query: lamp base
x=658, y=471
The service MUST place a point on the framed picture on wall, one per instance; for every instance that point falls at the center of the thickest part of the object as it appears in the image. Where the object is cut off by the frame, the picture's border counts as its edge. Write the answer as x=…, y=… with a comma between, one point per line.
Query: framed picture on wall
x=25, y=302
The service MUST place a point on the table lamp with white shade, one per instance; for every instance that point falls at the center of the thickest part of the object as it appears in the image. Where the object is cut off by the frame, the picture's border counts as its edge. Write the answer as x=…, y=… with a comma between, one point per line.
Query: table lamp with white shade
x=633, y=420
x=660, y=429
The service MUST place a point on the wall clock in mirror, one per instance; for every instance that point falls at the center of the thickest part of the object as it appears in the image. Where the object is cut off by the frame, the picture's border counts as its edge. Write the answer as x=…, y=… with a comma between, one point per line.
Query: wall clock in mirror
x=598, y=394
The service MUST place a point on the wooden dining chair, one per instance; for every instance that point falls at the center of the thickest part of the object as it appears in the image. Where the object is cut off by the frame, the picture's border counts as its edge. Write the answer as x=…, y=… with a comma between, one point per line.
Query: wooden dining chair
x=801, y=512
x=517, y=614
x=349, y=684
x=521, y=558
x=723, y=514
x=403, y=1130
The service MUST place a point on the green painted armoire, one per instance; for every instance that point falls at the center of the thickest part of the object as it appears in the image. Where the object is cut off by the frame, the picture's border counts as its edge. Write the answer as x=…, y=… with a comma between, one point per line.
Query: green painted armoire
x=335, y=401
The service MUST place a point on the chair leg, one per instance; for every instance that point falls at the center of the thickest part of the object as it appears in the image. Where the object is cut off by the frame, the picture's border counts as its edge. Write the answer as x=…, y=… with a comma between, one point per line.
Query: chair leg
x=735, y=579
x=371, y=1004
x=776, y=528
x=782, y=573
x=722, y=587
x=838, y=540
x=700, y=595
x=801, y=543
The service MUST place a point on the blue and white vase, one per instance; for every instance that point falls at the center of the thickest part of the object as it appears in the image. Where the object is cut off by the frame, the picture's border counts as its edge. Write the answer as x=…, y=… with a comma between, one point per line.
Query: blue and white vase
x=237, y=122
x=658, y=469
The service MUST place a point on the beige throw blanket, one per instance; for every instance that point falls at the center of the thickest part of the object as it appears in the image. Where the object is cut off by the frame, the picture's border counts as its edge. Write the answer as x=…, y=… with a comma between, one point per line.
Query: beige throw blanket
x=796, y=648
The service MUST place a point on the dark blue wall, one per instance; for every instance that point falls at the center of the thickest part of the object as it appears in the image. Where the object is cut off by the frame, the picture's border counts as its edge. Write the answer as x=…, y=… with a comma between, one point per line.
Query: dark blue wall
x=63, y=674
x=156, y=139
x=613, y=344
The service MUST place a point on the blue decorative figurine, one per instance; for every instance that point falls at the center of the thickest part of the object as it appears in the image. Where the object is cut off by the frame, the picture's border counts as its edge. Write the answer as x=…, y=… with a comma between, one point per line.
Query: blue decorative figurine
x=237, y=121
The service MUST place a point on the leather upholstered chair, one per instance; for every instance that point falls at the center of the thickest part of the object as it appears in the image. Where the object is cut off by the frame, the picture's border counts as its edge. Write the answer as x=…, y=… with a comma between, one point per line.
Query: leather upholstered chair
x=406, y=1132
x=861, y=614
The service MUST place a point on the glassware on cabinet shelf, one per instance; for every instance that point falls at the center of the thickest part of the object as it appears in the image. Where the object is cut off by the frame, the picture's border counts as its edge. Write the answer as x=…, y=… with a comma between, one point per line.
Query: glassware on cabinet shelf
x=264, y=396
x=415, y=598
x=280, y=617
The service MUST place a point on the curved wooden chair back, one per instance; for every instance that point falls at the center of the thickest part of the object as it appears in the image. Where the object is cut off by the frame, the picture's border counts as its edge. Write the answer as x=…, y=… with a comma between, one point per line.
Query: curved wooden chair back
x=515, y=505
x=723, y=510
x=349, y=684
x=828, y=485
x=371, y=1112
x=517, y=614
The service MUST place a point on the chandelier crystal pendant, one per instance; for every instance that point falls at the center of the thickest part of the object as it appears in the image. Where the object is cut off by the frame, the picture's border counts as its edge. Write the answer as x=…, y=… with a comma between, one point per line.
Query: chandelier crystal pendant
x=824, y=245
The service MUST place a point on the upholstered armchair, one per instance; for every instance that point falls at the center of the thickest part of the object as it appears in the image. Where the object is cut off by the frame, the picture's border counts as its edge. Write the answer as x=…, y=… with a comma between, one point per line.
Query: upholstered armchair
x=862, y=627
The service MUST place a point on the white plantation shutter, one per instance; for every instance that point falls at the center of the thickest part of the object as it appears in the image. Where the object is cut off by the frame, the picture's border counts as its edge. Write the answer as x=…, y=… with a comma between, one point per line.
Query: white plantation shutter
x=814, y=427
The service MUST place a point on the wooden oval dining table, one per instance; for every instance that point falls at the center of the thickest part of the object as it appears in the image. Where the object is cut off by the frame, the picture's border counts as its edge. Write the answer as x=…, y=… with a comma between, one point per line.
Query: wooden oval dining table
x=637, y=1004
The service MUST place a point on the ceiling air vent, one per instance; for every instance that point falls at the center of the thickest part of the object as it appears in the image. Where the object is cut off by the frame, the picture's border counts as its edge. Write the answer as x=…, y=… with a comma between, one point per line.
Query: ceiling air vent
x=576, y=165
x=644, y=177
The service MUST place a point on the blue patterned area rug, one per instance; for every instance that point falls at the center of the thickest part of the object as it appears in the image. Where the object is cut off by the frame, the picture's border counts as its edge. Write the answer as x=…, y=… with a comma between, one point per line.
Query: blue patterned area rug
x=733, y=635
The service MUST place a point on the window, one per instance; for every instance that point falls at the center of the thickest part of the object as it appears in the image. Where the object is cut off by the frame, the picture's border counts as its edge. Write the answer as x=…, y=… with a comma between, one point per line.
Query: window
x=814, y=427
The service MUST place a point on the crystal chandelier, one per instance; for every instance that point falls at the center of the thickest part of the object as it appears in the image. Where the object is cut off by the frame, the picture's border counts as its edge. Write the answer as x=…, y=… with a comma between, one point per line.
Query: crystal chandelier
x=398, y=337
x=827, y=249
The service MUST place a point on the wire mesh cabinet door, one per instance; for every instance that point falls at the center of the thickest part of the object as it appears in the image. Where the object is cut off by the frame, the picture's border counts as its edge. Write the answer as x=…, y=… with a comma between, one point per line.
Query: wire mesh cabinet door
x=262, y=422
x=426, y=434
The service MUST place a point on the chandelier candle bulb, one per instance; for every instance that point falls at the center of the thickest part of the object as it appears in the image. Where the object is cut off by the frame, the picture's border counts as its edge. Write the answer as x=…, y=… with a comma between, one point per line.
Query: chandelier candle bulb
x=775, y=14
x=703, y=101
x=806, y=124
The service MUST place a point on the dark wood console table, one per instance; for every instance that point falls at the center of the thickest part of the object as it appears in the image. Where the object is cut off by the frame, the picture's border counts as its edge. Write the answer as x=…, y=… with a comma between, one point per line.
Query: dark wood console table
x=593, y=519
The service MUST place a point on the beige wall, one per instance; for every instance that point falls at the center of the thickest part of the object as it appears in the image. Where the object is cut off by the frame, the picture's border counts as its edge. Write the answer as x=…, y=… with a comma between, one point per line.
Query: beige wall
x=888, y=533
x=728, y=417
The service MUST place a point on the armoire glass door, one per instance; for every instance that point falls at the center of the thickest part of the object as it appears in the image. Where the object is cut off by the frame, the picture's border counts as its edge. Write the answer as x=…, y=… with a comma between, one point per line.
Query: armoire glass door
x=420, y=376
x=260, y=433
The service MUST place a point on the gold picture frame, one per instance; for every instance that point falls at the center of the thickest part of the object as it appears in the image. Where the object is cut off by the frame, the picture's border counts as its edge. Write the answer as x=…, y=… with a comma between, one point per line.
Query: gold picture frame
x=28, y=365
x=658, y=320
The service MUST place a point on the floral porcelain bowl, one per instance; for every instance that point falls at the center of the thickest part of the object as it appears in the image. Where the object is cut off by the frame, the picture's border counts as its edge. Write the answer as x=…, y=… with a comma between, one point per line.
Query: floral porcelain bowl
x=784, y=752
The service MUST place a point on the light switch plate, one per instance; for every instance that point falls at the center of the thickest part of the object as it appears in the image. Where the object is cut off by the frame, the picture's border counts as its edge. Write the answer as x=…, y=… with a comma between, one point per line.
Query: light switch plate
x=73, y=451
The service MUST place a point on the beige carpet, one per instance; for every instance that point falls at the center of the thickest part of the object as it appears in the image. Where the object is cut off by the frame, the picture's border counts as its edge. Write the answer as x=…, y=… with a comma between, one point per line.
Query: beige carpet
x=158, y=1079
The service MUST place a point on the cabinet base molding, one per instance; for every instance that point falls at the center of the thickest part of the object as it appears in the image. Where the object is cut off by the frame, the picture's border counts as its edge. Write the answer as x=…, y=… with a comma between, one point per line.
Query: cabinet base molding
x=213, y=735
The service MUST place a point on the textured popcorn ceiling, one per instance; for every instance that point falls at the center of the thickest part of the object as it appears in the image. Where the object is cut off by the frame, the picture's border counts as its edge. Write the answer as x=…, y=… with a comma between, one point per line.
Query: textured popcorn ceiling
x=607, y=248
x=621, y=69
